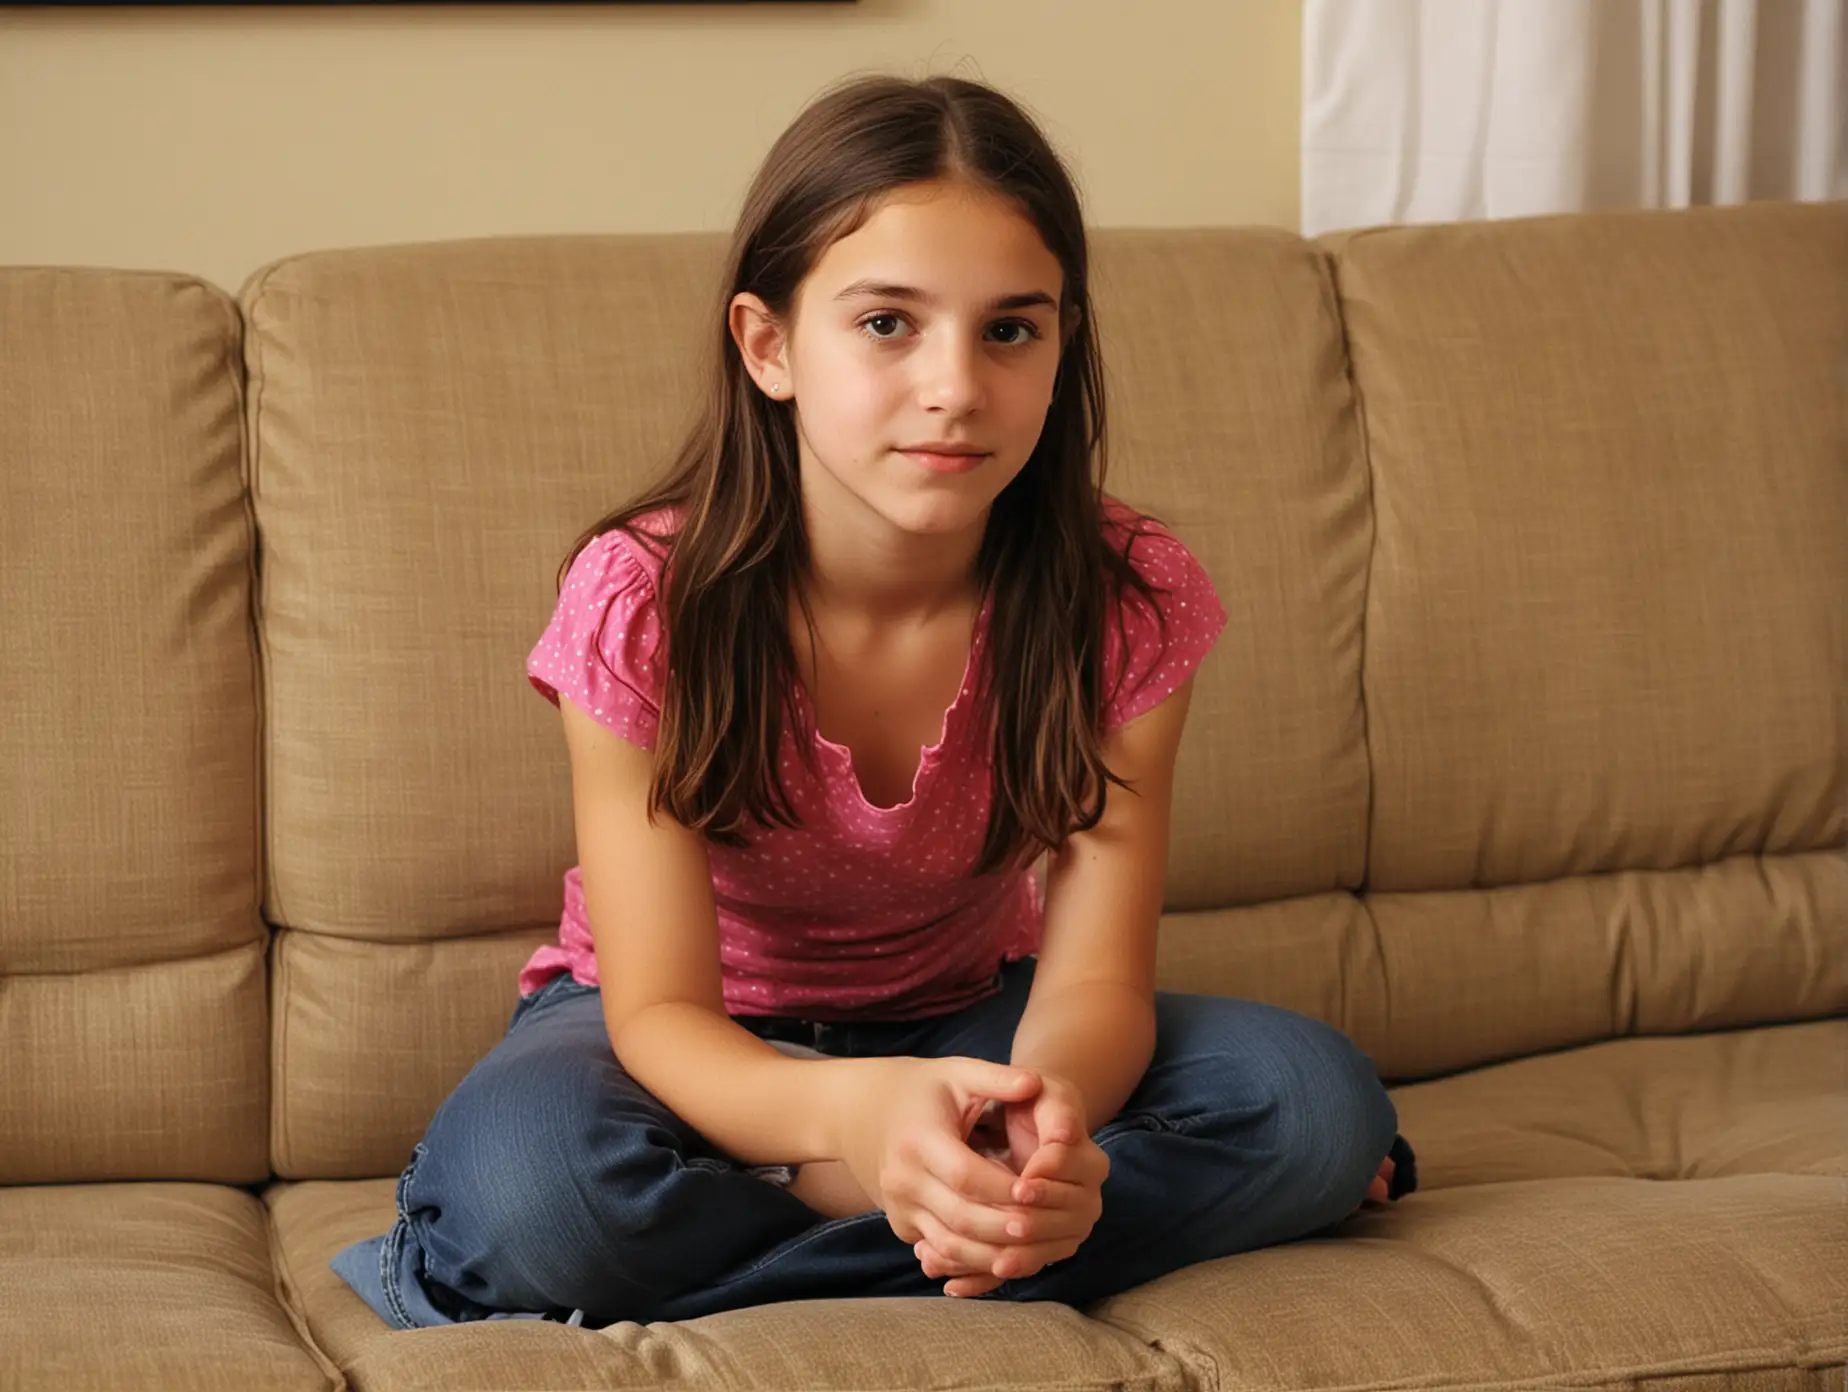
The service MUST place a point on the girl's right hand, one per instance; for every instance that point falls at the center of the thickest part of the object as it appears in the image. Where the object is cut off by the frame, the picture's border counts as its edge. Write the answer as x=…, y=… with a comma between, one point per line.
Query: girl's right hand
x=907, y=1146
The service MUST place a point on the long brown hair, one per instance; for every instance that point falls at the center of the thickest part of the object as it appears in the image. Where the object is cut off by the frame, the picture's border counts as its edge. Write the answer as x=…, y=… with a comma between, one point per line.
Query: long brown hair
x=740, y=547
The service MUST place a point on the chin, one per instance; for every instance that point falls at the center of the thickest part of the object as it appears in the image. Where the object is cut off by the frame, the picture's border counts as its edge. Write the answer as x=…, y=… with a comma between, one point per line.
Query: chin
x=938, y=512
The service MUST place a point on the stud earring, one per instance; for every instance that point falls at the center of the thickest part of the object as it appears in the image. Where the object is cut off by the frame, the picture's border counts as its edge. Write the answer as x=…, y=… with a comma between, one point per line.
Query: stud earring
x=776, y=389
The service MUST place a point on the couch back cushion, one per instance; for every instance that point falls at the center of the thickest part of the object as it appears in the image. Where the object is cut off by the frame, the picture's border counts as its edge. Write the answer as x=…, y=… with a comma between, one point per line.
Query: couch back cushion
x=1607, y=627
x=433, y=426
x=132, y=1012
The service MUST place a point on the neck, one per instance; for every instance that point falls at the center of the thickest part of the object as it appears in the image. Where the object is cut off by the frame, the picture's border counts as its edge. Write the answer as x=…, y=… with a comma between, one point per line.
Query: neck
x=862, y=568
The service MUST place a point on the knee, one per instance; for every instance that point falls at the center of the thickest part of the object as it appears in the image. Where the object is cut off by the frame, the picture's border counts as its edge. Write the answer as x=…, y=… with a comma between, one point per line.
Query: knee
x=1302, y=1093
x=529, y=1199
x=1335, y=1121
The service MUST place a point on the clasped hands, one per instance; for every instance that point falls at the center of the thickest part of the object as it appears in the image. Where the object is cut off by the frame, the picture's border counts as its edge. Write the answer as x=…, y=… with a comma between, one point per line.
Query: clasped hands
x=985, y=1168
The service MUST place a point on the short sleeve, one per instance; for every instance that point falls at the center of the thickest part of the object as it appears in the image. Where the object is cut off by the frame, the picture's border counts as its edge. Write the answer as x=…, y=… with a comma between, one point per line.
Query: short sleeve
x=1156, y=648
x=603, y=648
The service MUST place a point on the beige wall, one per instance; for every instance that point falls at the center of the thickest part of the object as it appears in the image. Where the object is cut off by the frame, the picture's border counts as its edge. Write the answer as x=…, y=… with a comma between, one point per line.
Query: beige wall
x=214, y=141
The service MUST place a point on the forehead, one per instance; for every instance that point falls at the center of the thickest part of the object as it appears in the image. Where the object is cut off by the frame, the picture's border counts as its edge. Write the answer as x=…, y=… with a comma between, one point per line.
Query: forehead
x=951, y=240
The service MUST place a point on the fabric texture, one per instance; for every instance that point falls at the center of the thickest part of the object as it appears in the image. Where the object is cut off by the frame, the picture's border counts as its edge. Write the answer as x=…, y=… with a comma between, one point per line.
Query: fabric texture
x=132, y=1021
x=861, y=909
x=158, y=1287
x=1536, y=1177
x=1607, y=629
x=848, y=1345
x=551, y=1182
x=1593, y=1282
x=1527, y=745
x=1428, y=111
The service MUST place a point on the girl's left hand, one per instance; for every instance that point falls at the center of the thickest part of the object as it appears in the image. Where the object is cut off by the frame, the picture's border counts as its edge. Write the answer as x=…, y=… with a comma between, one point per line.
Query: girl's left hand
x=1062, y=1171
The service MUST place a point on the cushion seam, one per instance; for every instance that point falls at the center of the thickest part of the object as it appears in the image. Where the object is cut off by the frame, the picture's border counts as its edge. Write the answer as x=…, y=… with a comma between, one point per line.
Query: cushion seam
x=282, y=1282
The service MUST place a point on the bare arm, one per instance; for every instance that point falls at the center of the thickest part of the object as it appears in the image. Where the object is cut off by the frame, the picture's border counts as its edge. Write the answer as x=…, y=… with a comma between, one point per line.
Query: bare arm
x=1091, y=1014
x=648, y=892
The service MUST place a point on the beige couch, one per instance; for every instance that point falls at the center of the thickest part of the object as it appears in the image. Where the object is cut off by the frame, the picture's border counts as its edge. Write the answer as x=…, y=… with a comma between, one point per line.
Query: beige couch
x=1523, y=760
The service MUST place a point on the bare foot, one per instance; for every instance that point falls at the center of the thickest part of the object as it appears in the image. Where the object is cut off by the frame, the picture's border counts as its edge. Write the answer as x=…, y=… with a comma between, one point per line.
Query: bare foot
x=1379, y=1192
x=828, y=1187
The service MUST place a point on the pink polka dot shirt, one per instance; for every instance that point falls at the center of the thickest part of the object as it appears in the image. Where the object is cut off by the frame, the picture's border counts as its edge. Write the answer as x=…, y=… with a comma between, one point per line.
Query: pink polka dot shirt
x=862, y=912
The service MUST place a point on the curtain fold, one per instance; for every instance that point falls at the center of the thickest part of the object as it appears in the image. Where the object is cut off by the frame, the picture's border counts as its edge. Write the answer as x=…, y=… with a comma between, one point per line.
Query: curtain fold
x=1443, y=110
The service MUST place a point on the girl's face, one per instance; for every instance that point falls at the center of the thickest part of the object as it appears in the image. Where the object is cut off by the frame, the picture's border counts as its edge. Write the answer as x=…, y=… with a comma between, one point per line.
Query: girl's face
x=921, y=358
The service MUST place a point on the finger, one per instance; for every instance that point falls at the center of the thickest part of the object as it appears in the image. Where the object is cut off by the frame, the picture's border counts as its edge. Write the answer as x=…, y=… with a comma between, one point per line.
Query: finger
x=966, y=1286
x=1032, y=1258
x=1084, y=1163
x=1050, y=1226
x=964, y=1255
x=944, y=1253
x=974, y=1176
x=968, y=1219
x=1048, y=1162
x=1057, y=1120
x=1045, y=1162
x=1041, y=1192
x=960, y=1282
x=1056, y=1196
x=937, y=1266
x=998, y=1080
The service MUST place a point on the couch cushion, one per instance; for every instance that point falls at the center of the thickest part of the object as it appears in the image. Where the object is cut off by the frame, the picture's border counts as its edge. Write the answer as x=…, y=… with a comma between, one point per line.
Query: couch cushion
x=1607, y=630
x=432, y=427
x=1662, y=1208
x=131, y=1004
x=158, y=1287
x=140, y=1073
x=1317, y=954
x=1594, y=1282
x=1588, y=957
x=1768, y=1100
x=371, y=1037
x=813, y=1345
x=1230, y=416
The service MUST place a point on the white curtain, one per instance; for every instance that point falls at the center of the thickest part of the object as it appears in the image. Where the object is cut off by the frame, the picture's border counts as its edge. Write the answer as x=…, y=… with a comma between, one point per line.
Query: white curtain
x=1444, y=110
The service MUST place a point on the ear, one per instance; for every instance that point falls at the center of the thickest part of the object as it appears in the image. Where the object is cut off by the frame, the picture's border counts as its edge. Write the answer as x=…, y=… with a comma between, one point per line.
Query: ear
x=763, y=343
x=1068, y=323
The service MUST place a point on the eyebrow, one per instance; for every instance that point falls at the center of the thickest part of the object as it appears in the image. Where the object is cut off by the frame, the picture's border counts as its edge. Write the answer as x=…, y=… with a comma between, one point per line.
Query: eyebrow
x=886, y=291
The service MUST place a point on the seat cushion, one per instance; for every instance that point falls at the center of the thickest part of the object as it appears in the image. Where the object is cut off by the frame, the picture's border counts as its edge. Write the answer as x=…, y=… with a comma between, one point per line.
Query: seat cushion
x=811, y=1345
x=1665, y=1208
x=145, y=1286
x=1591, y=1282
x=1771, y=1100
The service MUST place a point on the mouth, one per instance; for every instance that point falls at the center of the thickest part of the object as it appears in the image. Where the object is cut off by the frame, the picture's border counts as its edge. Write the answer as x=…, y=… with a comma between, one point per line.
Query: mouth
x=945, y=459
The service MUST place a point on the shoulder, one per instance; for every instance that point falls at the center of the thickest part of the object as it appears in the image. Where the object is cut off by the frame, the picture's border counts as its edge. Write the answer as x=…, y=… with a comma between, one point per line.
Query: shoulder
x=605, y=645
x=622, y=557
x=1155, y=553
x=1154, y=640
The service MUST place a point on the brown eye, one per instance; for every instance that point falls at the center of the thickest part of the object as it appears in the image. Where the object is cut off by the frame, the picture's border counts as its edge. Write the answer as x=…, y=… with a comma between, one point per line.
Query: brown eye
x=1020, y=331
x=881, y=326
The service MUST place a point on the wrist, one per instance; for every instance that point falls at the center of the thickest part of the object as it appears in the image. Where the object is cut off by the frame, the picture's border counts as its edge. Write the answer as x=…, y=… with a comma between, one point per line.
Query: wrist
x=852, y=1088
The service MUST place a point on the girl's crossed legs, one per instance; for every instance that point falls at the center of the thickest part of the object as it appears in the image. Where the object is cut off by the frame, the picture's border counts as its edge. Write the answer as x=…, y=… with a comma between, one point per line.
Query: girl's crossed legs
x=551, y=1183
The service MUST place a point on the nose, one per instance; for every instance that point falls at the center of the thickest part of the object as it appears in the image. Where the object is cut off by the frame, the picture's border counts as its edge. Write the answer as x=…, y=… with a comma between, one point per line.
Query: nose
x=952, y=379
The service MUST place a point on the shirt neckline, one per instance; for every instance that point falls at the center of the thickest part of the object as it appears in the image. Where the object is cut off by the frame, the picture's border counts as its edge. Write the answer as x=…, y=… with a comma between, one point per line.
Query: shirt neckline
x=932, y=754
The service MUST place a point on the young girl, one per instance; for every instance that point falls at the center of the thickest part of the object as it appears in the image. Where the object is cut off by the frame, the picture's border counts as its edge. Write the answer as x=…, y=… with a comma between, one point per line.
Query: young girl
x=877, y=645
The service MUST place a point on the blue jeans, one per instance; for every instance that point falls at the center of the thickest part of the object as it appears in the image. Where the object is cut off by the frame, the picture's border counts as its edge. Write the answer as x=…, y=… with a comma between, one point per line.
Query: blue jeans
x=551, y=1185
